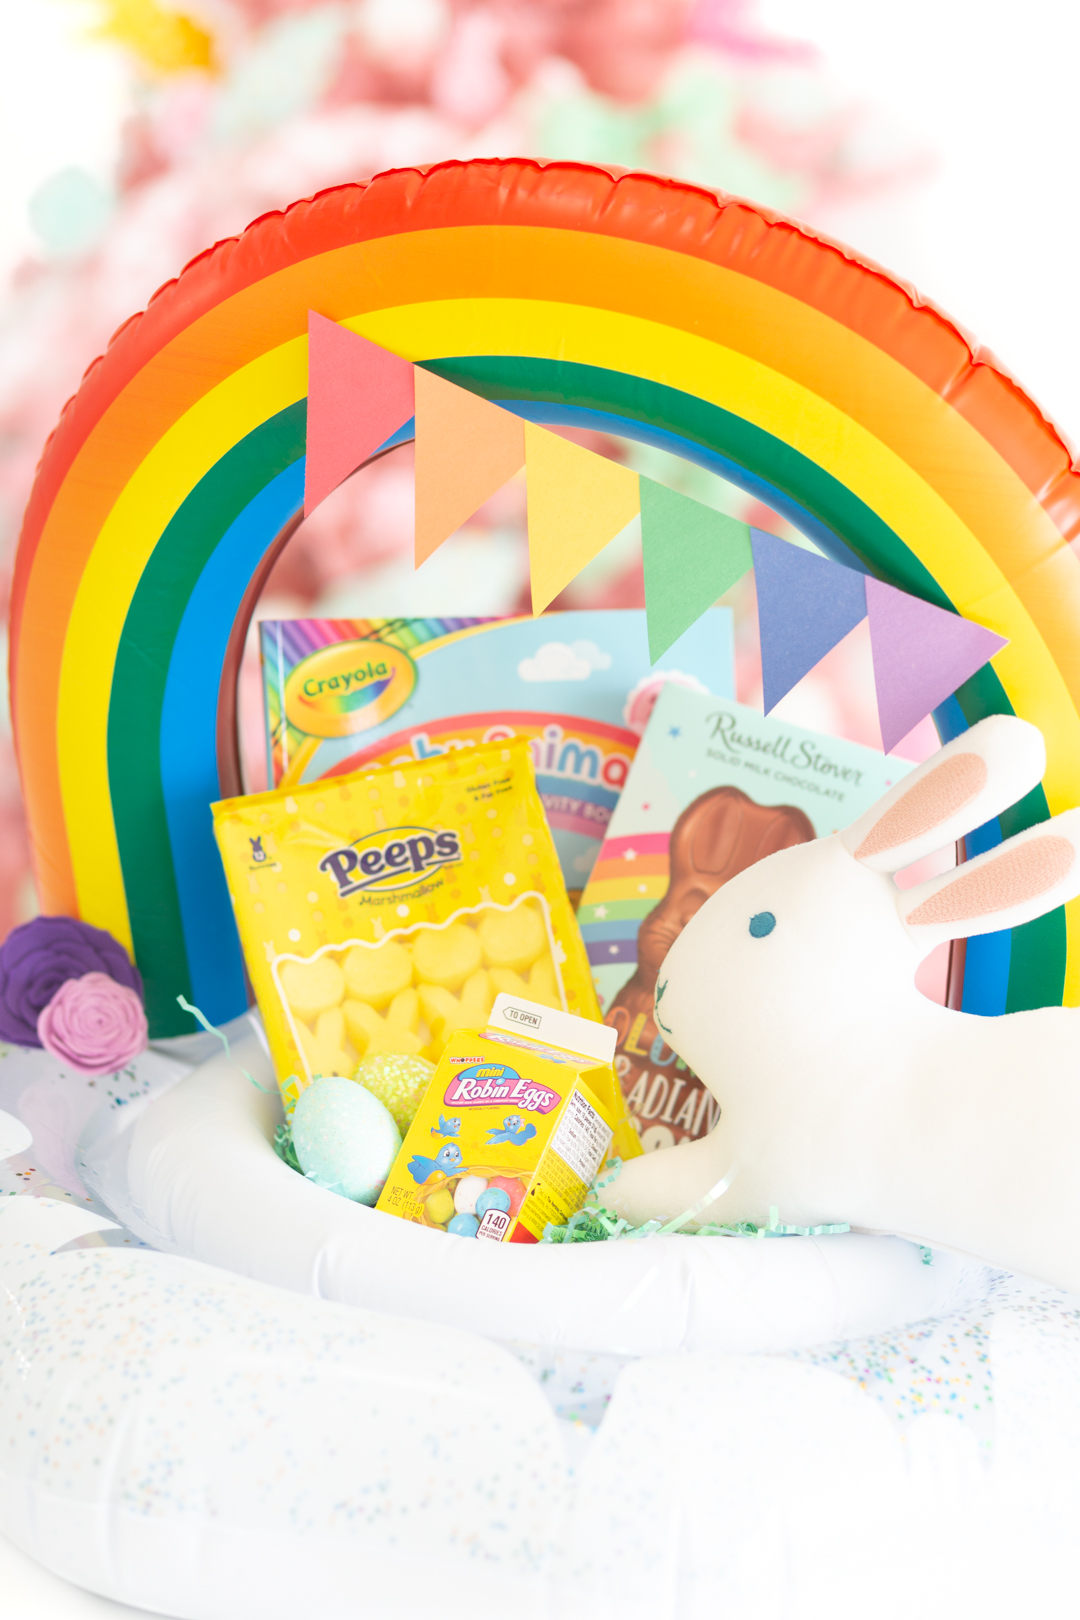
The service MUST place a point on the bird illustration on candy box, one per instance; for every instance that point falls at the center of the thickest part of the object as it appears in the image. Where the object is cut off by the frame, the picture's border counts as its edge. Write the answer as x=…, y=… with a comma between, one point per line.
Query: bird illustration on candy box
x=446, y=1127
x=445, y=1162
x=512, y=1130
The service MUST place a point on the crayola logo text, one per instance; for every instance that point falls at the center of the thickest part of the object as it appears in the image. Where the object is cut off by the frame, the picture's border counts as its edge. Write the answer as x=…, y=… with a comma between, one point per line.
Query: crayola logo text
x=390, y=860
x=347, y=680
x=348, y=687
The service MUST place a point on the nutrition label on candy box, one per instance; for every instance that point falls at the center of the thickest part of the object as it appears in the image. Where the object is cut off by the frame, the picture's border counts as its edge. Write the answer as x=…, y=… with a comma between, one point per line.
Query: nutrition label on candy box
x=582, y=1138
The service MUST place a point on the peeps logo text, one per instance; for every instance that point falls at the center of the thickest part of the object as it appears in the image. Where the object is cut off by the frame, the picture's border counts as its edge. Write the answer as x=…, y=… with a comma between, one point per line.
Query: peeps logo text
x=498, y=1083
x=390, y=860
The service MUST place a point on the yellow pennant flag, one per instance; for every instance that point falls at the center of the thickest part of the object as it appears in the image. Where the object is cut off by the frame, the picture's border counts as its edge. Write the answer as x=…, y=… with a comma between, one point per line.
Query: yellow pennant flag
x=578, y=501
x=466, y=449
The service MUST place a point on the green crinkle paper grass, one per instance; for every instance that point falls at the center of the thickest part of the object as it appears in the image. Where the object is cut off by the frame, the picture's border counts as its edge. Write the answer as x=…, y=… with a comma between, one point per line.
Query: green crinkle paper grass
x=596, y=1224
x=283, y=1146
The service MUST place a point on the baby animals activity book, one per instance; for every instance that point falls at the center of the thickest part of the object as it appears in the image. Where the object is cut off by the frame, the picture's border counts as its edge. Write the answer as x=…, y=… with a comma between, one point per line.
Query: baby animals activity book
x=341, y=693
x=714, y=787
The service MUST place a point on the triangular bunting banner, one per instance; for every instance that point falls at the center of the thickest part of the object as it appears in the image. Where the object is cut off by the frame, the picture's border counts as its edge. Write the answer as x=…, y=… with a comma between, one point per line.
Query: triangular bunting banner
x=690, y=555
x=921, y=655
x=578, y=501
x=466, y=449
x=806, y=604
x=358, y=395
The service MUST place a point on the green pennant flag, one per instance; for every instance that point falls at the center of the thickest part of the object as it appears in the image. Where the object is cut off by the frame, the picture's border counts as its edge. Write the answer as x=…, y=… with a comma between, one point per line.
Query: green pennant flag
x=690, y=556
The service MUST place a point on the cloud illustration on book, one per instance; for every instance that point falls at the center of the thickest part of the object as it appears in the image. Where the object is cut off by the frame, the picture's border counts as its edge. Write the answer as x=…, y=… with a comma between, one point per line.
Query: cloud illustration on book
x=564, y=661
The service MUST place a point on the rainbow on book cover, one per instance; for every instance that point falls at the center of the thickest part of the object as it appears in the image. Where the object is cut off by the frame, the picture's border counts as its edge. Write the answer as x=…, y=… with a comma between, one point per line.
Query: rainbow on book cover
x=630, y=877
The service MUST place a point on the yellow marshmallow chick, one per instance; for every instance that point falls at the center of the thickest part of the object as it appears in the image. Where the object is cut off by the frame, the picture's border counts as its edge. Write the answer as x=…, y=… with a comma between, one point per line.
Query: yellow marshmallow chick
x=540, y=986
x=326, y=1049
x=376, y=974
x=446, y=956
x=372, y=1033
x=446, y=1013
x=312, y=988
x=512, y=939
x=508, y=983
x=543, y=985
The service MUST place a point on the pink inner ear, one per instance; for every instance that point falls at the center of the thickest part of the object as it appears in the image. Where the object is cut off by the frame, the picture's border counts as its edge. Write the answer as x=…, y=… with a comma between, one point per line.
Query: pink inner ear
x=1020, y=874
x=940, y=794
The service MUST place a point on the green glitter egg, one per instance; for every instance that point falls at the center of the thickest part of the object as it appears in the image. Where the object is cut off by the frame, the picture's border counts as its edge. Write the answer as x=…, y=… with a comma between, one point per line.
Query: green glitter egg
x=399, y=1082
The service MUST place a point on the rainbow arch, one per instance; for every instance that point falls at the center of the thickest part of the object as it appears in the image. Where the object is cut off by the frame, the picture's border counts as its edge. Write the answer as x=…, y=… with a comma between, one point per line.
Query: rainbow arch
x=571, y=294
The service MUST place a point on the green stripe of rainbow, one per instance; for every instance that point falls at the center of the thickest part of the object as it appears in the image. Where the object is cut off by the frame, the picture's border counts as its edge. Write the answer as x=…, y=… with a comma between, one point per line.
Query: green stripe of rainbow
x=699, y=322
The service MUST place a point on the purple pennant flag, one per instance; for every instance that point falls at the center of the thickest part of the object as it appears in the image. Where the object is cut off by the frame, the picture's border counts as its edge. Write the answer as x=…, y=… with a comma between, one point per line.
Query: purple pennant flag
x=921, y=655
x=806, y=604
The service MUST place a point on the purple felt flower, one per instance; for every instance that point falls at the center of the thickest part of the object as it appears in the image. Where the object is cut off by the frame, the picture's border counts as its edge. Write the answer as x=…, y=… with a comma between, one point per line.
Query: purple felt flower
x=36, y=959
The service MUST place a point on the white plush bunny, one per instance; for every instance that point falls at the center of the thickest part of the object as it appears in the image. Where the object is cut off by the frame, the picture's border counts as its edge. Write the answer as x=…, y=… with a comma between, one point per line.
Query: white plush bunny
x=845, y=1094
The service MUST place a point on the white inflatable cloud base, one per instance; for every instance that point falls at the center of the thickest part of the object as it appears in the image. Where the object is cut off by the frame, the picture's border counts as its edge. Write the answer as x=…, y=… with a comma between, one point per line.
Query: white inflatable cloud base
x=196, y=1175
x=207, y=1447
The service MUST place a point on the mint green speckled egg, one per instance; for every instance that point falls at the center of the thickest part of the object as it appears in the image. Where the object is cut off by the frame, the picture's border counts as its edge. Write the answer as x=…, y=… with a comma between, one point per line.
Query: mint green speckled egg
x=345, y=1139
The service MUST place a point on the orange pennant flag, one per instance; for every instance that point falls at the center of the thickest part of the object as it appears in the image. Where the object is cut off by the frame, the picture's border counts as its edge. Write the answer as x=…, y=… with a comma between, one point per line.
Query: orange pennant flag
x=466, y=449
x=578, y=501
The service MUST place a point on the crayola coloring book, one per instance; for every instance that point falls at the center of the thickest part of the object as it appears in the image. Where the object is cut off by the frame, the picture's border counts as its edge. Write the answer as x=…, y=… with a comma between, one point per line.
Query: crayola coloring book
x=342, y=693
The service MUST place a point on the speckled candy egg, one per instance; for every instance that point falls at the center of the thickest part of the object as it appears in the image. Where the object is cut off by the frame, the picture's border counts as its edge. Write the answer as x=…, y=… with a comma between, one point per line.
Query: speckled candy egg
x=467, y=1192
x=345, y=1138
x=493, y=1198
x=440, y=1206
x=513, y=1189
x=399, y=1082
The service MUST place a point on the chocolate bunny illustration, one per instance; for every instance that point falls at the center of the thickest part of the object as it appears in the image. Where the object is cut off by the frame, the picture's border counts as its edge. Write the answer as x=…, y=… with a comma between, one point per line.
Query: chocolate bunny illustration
x=844, y=1094
x=718, y=835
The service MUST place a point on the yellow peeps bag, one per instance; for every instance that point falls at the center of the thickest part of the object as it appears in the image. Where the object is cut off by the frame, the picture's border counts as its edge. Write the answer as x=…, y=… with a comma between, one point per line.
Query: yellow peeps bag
x=382, y=911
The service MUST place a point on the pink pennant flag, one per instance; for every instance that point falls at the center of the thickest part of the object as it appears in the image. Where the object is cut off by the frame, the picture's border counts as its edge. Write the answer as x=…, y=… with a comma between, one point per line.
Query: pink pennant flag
x=921, y=655
x=358, y=395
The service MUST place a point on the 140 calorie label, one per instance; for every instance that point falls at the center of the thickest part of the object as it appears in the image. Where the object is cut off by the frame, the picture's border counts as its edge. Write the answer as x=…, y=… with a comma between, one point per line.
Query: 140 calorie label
x=494, y=1226
x=582, y=1138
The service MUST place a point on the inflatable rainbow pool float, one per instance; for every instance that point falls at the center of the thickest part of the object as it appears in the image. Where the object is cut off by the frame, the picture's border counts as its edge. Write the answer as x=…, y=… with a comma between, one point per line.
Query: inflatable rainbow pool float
x=571, y=294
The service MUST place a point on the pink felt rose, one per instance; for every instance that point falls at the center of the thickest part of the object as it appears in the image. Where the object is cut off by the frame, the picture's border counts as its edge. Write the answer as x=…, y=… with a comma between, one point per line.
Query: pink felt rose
x=93, y=1025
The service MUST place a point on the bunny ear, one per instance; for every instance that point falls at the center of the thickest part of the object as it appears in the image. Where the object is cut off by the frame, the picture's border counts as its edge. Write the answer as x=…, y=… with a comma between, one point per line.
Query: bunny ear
x=969, y=781
x=1020, y=879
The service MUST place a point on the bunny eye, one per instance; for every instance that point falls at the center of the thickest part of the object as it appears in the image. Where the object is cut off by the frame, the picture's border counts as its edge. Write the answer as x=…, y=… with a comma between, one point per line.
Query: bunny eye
x=762, y=924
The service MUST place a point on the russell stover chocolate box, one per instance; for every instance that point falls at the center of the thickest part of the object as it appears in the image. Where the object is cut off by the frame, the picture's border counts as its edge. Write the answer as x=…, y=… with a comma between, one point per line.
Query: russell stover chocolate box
x=714, y=787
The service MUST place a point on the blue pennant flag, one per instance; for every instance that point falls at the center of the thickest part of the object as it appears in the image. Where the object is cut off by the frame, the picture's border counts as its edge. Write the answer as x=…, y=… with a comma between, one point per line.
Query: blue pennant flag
x=806, y=604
